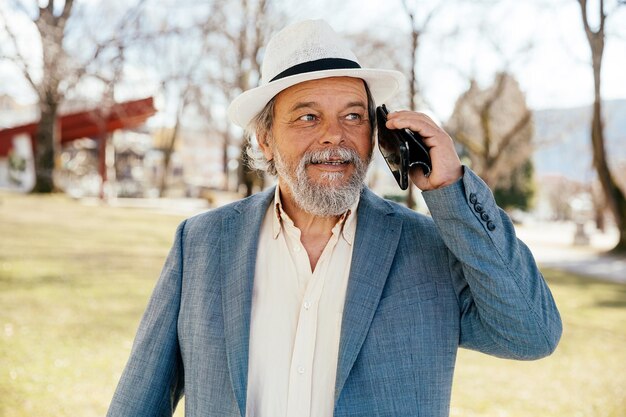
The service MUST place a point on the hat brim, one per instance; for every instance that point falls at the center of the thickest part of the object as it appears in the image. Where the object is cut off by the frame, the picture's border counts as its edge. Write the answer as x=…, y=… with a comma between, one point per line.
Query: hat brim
x=383, y=85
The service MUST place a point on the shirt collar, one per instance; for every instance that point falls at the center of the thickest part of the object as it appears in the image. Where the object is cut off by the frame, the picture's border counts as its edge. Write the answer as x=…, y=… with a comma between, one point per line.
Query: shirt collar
x=347, y=221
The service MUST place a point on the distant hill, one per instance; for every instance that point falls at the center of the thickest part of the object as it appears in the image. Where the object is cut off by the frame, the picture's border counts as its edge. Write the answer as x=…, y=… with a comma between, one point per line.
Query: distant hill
x=564, y=142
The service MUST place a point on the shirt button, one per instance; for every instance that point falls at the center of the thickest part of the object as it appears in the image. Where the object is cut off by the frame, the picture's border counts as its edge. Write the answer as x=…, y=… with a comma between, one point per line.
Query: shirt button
x=300, y=370
x=307, y=305
x=296, y=248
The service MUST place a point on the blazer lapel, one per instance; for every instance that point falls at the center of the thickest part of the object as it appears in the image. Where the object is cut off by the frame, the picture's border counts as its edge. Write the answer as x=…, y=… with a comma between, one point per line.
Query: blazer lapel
x=240, y=232
x=376, y=240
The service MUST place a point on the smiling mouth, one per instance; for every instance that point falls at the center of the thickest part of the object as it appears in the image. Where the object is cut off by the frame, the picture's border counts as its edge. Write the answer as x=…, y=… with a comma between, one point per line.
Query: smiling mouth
x=337, y=163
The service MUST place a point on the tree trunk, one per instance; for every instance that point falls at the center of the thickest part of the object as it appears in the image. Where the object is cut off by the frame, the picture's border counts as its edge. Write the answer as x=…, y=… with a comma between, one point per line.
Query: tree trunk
x=50, y=26
x=614, y=195
x=45, y=144
x=167, y=157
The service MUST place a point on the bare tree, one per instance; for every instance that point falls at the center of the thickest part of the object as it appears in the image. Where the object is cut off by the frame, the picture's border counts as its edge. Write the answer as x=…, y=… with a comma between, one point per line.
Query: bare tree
x=250, y=23
x=614, y=196
x=178, y=54
x=496, y=128
x=50, y=24
x=420, y=17
x=56, y=73
x=559, y=191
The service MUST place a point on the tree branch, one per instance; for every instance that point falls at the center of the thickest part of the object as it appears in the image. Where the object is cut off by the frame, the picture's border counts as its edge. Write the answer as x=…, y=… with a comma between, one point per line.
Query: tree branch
x=583, y=9
x=508, y=137
x=602, y=17
x=472, y=145
x=19, y=59
x=67, y=9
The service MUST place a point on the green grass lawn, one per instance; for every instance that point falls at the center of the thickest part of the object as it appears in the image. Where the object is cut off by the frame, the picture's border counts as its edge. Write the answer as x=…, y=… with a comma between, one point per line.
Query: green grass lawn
x=74, y=281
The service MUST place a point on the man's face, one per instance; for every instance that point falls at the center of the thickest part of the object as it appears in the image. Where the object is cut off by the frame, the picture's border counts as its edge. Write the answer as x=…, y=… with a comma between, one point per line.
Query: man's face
x=321, y=140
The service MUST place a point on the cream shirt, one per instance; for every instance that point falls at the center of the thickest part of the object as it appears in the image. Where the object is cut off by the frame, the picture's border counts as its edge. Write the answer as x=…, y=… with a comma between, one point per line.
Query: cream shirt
x=296, y=318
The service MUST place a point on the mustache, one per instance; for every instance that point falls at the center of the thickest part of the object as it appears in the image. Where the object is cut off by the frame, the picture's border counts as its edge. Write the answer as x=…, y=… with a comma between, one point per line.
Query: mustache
x=331, y=155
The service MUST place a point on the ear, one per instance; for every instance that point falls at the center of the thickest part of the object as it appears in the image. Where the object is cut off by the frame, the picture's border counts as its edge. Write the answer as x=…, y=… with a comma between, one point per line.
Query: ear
x=263, y=141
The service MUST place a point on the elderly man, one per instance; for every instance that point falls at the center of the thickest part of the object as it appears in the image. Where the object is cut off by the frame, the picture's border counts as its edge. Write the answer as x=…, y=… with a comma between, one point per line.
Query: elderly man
x=318, y=298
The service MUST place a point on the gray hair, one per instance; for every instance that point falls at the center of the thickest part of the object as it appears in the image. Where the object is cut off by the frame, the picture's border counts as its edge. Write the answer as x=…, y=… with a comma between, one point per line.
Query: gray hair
x=261, y=126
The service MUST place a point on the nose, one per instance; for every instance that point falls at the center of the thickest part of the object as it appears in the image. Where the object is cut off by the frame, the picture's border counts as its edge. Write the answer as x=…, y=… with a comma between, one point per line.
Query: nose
x=334, y=133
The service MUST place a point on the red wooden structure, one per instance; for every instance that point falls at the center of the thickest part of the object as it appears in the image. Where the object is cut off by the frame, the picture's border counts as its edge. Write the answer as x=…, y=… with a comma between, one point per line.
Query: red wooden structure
x=95, y=124
x=88, y=124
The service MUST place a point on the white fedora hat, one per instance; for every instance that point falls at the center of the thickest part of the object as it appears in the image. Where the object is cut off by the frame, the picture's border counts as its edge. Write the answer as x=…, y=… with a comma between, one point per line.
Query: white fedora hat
x=304, y=51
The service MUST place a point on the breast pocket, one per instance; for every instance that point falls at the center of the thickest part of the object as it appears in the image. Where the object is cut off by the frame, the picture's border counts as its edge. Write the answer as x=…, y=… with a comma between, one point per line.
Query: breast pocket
x=418, y=293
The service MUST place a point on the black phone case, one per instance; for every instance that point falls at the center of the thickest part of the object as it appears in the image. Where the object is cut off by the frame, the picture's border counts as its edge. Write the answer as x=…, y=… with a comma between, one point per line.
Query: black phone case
x=402, y=149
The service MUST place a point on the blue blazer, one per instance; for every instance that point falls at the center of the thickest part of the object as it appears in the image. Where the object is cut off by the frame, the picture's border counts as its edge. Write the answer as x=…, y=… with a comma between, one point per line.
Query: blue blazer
x=419, y=288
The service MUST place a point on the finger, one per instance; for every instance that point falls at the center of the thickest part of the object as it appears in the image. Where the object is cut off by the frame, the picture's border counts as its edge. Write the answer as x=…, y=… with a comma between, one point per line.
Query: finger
x=412, y=114
x=416, y=174
x=416, y=122
x=407, y=117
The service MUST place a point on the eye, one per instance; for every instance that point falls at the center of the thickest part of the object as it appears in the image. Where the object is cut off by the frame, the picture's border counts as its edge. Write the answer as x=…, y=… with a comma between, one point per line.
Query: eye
x=307, y=118
x=355, y=118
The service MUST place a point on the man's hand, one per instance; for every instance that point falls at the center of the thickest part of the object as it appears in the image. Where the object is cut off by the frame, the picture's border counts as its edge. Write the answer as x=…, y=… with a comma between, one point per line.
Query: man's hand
x=446, y=163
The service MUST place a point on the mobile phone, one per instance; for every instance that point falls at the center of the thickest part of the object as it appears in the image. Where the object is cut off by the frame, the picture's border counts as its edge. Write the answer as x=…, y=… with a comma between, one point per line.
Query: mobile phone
x=402, y=149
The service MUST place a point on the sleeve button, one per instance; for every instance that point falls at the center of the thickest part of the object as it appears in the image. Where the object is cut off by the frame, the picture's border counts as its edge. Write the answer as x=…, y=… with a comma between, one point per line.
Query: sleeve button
x=491, y=226
x=485, y=217
x=472, y=198
x=478, y=207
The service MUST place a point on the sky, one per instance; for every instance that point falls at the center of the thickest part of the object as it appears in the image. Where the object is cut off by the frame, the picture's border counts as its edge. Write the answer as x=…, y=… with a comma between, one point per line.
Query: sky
x=555, y=73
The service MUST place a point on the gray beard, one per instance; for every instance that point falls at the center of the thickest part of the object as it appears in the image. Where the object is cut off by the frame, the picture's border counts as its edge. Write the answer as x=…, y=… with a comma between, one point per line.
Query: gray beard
x=333, y=196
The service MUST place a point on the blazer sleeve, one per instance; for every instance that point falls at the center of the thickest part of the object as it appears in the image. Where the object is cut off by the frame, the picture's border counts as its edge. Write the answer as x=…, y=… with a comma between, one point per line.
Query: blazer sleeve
x=506, y=307
x=152, y=382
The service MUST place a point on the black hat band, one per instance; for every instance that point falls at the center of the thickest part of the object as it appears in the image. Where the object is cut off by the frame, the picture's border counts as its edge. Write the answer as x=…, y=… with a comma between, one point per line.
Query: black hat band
x=317, y=65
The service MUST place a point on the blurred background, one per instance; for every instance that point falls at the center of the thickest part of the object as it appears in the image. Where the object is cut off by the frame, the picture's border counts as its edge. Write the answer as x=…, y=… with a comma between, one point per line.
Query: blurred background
x=113, y=129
